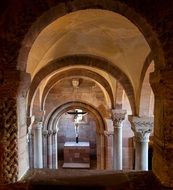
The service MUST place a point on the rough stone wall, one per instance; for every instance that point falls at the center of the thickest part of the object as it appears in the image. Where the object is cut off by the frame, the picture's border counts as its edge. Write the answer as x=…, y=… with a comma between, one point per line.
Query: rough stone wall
x=8, y=141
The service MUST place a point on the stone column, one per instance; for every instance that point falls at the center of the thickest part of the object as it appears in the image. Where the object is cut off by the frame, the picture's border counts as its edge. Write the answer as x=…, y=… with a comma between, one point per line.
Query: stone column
x=30, y=136
x=102, y=142
x=142, y=127
x=162, y=85
x=38, y=152
x=54, y=149
x=100, y=150
x=50, y=132
x=109, y=149
x=30, y=147
x=45, y=135
x=118, y=116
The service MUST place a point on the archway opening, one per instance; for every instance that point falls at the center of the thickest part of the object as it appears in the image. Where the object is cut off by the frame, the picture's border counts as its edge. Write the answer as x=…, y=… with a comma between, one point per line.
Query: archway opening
x=129, y=76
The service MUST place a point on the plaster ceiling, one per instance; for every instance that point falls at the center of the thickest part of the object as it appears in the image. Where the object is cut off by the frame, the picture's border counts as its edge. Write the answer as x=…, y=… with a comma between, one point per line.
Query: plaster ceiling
x=96, y=32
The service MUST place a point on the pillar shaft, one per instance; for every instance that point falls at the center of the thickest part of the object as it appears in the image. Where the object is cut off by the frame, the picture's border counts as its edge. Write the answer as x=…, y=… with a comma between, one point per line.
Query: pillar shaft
x=141, y=156
x=50, y=132
x=118, y=116
x=117, y=150
x=109, y=148
x=30, y=149
x=54, y=150
x=45, y=136
x=38, y=153
x=142, y=127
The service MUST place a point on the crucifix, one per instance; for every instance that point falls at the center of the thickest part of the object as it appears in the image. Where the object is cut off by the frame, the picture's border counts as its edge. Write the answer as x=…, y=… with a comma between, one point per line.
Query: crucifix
x=77, y=118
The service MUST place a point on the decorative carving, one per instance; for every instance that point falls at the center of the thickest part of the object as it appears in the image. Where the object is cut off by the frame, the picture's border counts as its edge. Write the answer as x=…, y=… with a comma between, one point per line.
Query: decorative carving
x=8, y=141
x=55, y=131
x=75, y=83
x=37, y=124
x=118, y=116
x=108, y=133
x=142, y=127
x=45, y=133
x=50, y=132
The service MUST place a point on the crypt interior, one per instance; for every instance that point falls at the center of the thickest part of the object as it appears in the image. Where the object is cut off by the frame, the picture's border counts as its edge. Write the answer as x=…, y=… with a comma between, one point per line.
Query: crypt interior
x=86, y=93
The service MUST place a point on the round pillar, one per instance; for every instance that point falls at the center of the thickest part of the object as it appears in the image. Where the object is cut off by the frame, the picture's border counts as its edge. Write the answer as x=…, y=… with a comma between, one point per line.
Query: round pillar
x=50, y=132
x=118, y=116
x=54, y=149
x=45, y=136
x=38, y=155
x=142, y=127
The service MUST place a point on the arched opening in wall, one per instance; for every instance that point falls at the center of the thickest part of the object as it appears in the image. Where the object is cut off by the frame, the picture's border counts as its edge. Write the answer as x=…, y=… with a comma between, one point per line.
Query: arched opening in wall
x=74, y=142
x=122, y=60
x=119, y=65
x=77, y=142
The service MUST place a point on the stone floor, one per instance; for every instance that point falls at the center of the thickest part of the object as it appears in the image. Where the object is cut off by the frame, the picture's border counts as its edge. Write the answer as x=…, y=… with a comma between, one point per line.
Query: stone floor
x=72, y=179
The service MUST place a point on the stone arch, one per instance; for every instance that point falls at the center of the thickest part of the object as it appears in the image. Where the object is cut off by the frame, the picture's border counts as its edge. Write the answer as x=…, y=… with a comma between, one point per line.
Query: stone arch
x=83, y=60
x=57, y=112
x=51, y=124
x=64, y=8
x=78, y=73
x=147, y=63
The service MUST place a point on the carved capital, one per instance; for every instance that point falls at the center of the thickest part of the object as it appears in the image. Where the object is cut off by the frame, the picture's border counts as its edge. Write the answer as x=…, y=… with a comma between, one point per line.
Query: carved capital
x=118, y=116
x=108, y=133
x=50, y=132
x=55, y=131
x=38, y=125
x=142, y=127
x=45, y=133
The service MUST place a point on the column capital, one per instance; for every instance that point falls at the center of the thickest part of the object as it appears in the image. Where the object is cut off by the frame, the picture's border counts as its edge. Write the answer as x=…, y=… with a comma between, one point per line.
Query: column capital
x=142, y=127
x=108, y=133
x=118, y=115
x=38, y=124
x=45, y=133
x=50, y=132
x=55, y=131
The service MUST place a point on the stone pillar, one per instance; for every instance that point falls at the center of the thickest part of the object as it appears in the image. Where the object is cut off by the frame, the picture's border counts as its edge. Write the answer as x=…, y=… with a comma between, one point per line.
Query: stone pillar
x=45, y=135
x=142, y=127
x=162, y=164
x=30, y=147
x=109, y=149
x=13, y=84
x=102, y=143
x=118, y=116
x=30, y=121
x=50, y=132
x=100, y=150
x=54, y=149
x=38, y=152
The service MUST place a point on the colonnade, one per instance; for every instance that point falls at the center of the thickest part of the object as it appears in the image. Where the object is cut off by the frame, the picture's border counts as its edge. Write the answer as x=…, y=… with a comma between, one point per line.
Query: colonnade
x=45, y=146
x=142, y=128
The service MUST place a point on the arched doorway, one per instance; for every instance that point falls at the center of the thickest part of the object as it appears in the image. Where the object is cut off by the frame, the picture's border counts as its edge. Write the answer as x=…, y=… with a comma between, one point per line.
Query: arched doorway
x=156, y=50
x=95, y=136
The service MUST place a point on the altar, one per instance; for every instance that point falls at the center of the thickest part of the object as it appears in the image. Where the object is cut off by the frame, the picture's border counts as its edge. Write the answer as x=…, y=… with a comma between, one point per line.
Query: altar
x=76, y=155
